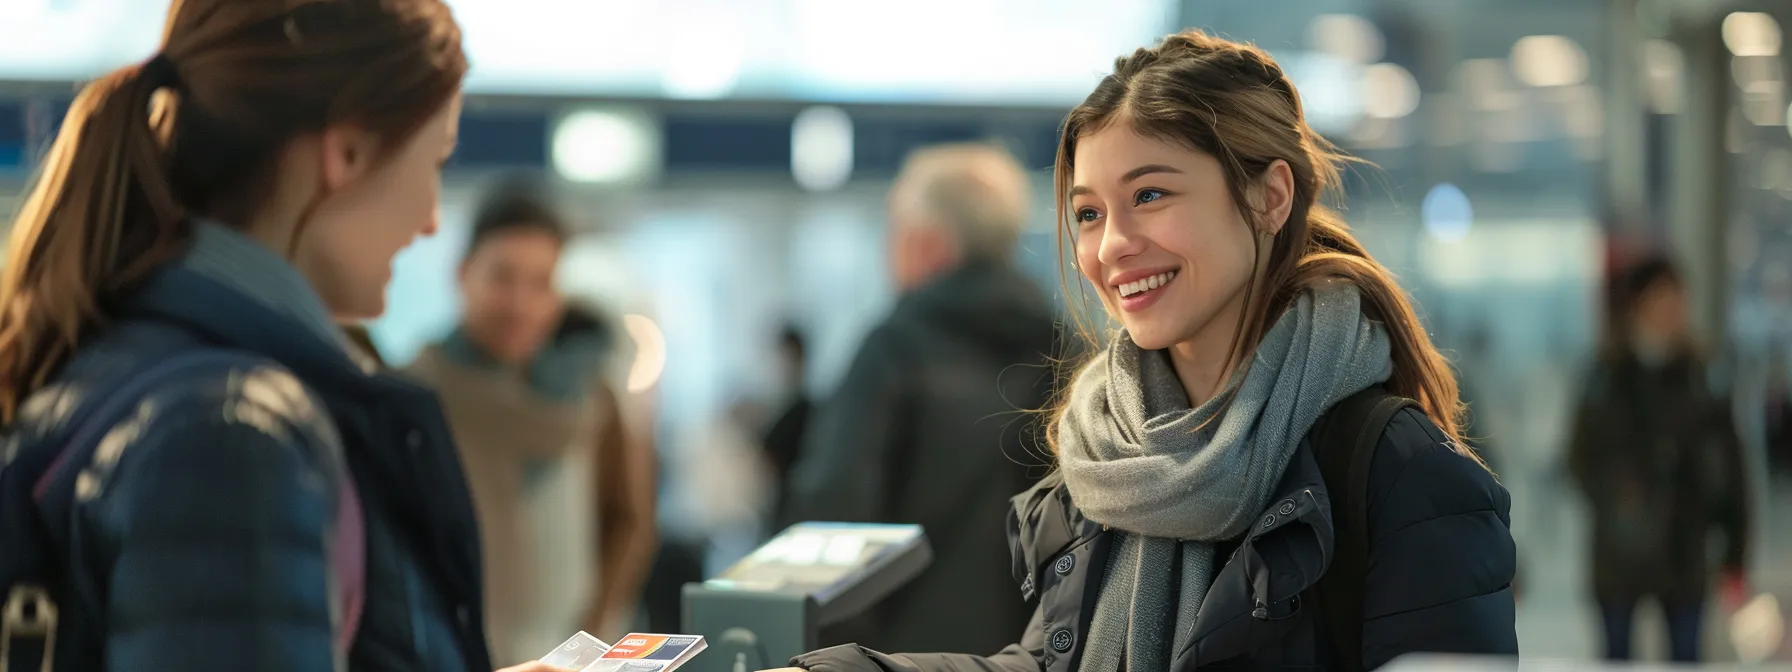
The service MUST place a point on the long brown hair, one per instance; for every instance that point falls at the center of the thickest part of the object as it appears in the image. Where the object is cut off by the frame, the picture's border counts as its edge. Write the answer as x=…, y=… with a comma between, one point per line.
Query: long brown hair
x=1231, y=101
x=234, y=82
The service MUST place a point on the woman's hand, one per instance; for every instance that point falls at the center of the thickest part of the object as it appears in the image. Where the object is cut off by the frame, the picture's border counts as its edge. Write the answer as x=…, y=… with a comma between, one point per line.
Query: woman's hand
x=786, y=669
x=535, y=666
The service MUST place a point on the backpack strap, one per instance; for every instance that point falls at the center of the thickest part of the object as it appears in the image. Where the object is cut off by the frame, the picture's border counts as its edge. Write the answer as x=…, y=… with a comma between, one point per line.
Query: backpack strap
x=1345, y=446
x=348, y=560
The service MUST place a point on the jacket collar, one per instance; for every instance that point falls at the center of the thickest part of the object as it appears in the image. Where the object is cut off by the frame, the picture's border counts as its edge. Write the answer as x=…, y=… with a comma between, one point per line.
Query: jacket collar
x=240, y=294
x=1043, y=524
x=563, y=370
x=993, y=302
x=250, y=269
x=1283, y=556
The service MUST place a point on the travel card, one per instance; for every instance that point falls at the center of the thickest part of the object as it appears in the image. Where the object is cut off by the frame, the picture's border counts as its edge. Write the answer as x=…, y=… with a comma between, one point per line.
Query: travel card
x=648, y=653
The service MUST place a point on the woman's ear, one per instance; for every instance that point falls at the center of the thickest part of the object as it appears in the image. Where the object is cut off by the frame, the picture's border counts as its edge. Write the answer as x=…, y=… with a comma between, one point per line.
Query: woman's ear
x=1277, y=190
x=347, y=153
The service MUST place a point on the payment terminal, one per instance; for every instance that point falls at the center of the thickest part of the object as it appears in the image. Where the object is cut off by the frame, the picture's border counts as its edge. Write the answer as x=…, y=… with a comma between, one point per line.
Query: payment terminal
x=771, y=605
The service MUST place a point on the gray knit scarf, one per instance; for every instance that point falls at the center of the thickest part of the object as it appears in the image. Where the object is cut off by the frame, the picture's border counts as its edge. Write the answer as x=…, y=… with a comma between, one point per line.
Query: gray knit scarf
x=1134, y=461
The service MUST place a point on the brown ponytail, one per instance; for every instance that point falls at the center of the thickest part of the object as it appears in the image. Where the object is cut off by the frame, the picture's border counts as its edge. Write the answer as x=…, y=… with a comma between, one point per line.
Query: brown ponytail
x=1231, y=101
x=70, y=244
x=197, y=131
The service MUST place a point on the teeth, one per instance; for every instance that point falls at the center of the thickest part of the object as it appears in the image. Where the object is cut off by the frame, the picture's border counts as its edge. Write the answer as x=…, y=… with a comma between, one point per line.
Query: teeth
x=1153, y=282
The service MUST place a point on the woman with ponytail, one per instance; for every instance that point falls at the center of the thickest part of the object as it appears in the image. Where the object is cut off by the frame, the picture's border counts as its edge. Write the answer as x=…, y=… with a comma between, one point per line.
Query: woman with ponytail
x=200, y=474
x=1190, y=524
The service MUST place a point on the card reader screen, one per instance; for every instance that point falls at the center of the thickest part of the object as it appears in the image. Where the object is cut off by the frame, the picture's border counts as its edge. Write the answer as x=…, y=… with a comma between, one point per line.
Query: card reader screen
x=815, y=557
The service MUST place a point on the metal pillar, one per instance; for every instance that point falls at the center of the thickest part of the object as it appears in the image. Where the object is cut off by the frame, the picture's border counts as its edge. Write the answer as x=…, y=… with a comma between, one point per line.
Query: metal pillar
x=1625, y=170
x=1698, y=204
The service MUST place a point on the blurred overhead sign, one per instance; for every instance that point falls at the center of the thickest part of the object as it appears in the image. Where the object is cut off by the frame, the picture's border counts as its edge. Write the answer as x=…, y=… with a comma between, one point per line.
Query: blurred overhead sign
x=941, y=51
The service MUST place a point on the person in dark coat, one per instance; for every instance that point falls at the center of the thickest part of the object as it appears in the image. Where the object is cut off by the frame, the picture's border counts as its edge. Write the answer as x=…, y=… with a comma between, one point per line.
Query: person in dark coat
x=931, y=424
x=248, y=495
x=1779, y=413
x=1657, y=456
x=1188, y=523
x=783, y=441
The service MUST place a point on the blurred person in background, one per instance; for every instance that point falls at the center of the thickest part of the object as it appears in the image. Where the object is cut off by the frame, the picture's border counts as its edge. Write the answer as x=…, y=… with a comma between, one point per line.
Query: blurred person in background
x=174, y=283
x=783, y=441
x=1187, y=525
x=1656, y=454
x=929, y=425
x=1778, y=415
x=562, y=485
x=728, y=486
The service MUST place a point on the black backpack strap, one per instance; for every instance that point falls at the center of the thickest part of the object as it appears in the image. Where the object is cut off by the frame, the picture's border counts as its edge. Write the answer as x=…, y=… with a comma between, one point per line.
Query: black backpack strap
x=1344, y=445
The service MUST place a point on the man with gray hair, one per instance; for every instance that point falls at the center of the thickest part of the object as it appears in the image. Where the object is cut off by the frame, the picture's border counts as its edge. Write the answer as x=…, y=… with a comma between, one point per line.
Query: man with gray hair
x=931, y=425
x=955, y=204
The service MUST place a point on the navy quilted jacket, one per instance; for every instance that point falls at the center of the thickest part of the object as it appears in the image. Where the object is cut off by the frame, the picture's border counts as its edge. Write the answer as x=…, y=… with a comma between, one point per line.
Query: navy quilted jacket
x=197, y=538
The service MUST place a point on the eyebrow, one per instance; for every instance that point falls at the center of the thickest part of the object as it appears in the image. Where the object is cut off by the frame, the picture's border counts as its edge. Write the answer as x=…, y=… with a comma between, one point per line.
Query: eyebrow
x=1134, y=174
x=1147, y=169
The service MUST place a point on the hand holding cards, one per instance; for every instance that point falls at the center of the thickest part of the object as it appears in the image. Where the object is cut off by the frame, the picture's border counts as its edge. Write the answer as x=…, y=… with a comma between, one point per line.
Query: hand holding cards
x=634, y=653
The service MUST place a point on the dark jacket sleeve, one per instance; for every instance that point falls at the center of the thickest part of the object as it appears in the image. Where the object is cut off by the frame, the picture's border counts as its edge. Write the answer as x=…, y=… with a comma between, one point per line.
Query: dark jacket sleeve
x=1731, y=488
x=1021, y=657
x=843, y=474
x=1441, y=551
x=1590, y=435
x=216, y=518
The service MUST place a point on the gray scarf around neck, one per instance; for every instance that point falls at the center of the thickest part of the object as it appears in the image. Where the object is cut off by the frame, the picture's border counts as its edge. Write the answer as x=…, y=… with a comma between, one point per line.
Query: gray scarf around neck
x=1137, y=458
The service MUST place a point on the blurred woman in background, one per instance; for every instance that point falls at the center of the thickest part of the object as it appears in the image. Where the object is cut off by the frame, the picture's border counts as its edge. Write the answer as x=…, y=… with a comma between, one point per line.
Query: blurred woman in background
x=563, y=487
x=200, y=475
x=1657, y=456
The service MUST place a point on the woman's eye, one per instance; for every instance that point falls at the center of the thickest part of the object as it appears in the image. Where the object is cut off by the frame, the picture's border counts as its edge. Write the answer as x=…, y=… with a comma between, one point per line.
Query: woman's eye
x=1146, y=196
x=1087, y=215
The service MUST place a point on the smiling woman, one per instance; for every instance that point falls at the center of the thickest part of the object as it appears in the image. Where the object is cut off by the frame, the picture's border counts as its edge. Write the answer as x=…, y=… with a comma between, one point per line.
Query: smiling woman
x=1189, y=508
x=1189, y=184
x=1225, y=194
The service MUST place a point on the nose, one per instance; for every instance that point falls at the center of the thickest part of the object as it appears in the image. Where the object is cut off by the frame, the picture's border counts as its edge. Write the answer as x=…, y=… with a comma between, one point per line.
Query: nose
x=1120, y=239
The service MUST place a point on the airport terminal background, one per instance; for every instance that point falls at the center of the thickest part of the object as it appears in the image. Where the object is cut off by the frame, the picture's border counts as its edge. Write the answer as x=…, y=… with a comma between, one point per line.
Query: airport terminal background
x=727, y=161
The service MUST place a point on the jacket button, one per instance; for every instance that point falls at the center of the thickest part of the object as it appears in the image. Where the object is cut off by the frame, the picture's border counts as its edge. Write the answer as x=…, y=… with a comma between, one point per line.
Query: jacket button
x=1064, y=564
x=464, y=615
x=1269, y=521
x=1287, y=508
x=1063, y=640
x=414, y=439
